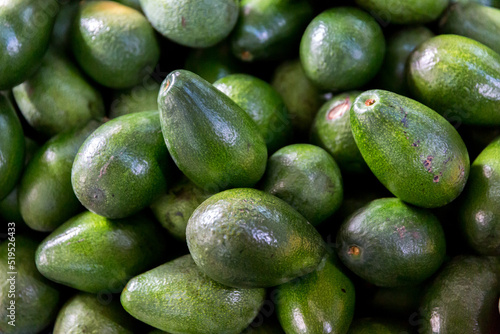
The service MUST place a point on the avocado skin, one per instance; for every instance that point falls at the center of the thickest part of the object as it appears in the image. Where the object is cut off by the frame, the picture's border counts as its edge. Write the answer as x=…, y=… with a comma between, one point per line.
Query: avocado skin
x=463, y=298
x=410, y=240
x=458, y=77
x=405, y=12
x=37, y=299
x=122, y=167
x=26, y=27
x=490, y=3
x=480, y=212
x=412, y=150
x=263, y=104
x=242, y=238
x=136, y=99
x=319, y=302
x=268, y=29
x=378, y=326
x=177, y=297
x=87, y=313
x=342, y=49
x=60, y=38
x=331, y=130
x=210, y=138
x=306, y=177
x=95, y=254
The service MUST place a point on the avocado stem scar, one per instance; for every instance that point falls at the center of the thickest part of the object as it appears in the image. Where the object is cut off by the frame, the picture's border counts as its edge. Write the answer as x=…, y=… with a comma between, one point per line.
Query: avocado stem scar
x=167, y=85
x=354, y=250
x=369, y=102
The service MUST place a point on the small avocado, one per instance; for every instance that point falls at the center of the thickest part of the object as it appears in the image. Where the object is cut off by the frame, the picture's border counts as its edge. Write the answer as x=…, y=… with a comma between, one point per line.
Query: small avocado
x=247, y=238
x=378, y=326
x=410, y=241
x=177, y=297
x=95, y=254
x=404, y=12
x=211, y=139
x=136, y=99
x=411, y=149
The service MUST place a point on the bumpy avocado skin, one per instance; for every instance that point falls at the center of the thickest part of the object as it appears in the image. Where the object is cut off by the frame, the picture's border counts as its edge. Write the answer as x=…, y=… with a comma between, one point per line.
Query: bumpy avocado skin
x=211, y=139
x=405, y=12
x=248, y=238
x=177, y=297
x=95, y=254
x=457, y=77
x=412, y=150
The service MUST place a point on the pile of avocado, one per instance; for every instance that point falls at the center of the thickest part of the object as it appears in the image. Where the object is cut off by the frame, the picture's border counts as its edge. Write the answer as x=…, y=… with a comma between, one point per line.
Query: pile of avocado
x=250, y=166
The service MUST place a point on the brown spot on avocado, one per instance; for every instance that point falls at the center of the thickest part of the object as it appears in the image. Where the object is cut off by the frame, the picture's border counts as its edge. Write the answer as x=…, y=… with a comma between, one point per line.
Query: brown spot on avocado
x=105, y=167
x=183, y=22
x=354, y=250
x=343, y=290
x=369, y=102
x=246, y=56
x=436, y=178
x=428, y=163
x=401, y=231
x=166, y=86
x=339, y=110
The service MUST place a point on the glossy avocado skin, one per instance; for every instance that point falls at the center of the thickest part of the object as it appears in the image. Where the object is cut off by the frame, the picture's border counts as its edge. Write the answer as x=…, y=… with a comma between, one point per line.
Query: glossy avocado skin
x=122, y=166
x=177, y=297
x=378, y=326
x=259, y=251
x=26, y=26
x=463, y=298
x=268, y=29
x=263, y=104
x=457, y=77
x=480, y=212
x=331, y=130
x=342, y=49
x=210, y=138
x=405, y=12
x=98, y=255
x=36, y=298
x=136, y=99
x=412, y=150
x=319, y=302
x=410, y=241
x=306, y=177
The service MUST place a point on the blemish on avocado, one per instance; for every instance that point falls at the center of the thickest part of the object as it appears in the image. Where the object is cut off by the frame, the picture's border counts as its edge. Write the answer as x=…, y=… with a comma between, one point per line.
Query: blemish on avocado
x=343, y=290
x=428, y=163
x=416, y=144
x=166, y=86
x=183, y=22
x=339, y=110
x=405, y=120
x=369, y=102
x=105, y=167
x=401, y=231
x=354, y=250
x=179, y=214
x=436, y=178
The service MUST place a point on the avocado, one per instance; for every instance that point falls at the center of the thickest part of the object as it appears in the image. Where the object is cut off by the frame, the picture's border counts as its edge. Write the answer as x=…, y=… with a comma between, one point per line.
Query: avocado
x=490, y=3
x=410, y=241
x=404, y=12
x=211, y=139
x=463, y=298
x=400, y=301
x=247, y=238
x=331, y=130
x=95, y=254
x=319, y=302
x=60, y=38
x=197, y=24
x=342, y=49
x=378, y=326
x=136, y=99
x=122, y=167
x=441, y=76
x=25, y=30
x=480, y=209
x=268, y=29
x=35, y=298
x=263, y=104
x=306, y=177
x=131, y=3
x=177, y=297
x=412, y=150
x=114, y=44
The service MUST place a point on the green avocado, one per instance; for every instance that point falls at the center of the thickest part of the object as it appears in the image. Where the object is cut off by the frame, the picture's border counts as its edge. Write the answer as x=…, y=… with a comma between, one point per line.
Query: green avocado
x=410, y=241
x=193, y=23
x=136, y=4
x=331, y=130
x=306, y=177
x=342, y=49
x=319, y=302
x=378, y=326
x=459, y=78
x=95, y=254
x=211, y=139
x=35, y=298
x=401, y=301
x=61, y=33
x=136, y=99
x=412, y=150
x=480, y=209
x=404, y=12
x=463, y=298
x=247, y=238
x=114, y=44
x=268, y=29
x=176, y=297
x=122, y=167
x=25, y=30
x=263, y=104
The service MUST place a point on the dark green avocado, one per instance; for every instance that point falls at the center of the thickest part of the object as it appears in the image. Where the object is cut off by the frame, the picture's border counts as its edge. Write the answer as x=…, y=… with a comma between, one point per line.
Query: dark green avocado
x=60, y=38
x=404, y=12
x=378, y=326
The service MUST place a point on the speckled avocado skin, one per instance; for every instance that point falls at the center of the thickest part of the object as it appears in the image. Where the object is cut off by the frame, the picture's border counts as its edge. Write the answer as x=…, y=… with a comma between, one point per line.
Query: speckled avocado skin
x=405, y=12
x=98, y=255
x=457, y=77
x=412, y=150
x=177, y=297
x=410, y=241
x=122, y=167
x=248, y=238
x=378, y=326
x=480, y=209
x=211, y=139
x=319, y=302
